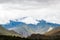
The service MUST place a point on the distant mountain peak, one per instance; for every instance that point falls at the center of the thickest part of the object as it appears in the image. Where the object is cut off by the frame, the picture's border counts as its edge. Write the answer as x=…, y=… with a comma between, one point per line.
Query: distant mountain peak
x=41, y=20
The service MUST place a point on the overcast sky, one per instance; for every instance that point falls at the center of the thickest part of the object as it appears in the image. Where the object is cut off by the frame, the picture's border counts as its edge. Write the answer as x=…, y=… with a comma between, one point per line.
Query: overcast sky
x=48, y=10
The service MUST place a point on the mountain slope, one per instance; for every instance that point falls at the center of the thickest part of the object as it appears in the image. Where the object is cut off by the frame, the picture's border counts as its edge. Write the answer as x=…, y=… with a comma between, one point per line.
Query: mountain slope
x=55, y=31
x=3, y=31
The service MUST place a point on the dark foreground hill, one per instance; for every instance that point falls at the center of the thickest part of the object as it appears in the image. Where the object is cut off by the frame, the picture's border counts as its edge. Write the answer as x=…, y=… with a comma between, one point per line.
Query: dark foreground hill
x=32, y=37
x=44, y=37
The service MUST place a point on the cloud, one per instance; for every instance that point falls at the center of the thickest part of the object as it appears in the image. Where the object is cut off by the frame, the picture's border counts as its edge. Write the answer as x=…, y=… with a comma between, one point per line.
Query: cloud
x=48, y=10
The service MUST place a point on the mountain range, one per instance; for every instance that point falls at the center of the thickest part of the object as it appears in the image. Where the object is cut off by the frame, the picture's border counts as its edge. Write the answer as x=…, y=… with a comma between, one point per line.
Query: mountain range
x=5, y=34
x=27, y=29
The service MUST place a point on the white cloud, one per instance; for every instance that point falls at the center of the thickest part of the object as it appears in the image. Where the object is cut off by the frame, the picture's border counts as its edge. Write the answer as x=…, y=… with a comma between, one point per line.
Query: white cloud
x=49, y=12
x=29, y=20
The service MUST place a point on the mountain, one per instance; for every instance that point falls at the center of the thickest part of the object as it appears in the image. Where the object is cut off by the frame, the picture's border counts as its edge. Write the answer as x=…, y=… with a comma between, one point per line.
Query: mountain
x=37, y=36
x=55, y=31
x=27, y=29
x=54, y=34
x=6, y=32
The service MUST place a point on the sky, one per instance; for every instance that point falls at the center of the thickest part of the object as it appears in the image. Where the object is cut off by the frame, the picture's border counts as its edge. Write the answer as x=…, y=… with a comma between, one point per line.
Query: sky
x=48, y=10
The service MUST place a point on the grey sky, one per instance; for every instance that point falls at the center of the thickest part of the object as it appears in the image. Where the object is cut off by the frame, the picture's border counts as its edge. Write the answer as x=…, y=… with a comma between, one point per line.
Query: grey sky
x=48, y=10
x=31, y=4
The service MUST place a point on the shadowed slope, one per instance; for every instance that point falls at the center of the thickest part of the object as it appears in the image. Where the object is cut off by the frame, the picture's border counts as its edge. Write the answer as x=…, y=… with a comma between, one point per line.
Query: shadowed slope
x=3, y=31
